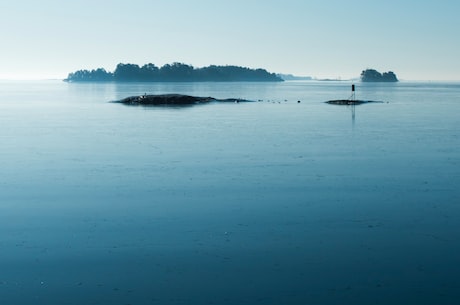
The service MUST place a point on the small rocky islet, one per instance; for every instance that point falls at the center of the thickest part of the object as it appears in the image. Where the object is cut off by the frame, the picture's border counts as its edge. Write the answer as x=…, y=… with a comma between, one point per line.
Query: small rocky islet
x=173, y=100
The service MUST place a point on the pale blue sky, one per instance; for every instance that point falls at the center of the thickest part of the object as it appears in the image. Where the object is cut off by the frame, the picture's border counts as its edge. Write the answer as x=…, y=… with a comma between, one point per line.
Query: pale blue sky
x=418, y=40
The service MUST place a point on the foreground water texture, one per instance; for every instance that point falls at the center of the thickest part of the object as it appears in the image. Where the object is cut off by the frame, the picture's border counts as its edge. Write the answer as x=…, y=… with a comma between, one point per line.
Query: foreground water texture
x=270, y=202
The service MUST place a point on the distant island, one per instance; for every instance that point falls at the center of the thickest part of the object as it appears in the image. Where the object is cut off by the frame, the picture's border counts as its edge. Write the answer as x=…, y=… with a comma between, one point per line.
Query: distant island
x=176, y=72
x=288, y=77
x=371, y=75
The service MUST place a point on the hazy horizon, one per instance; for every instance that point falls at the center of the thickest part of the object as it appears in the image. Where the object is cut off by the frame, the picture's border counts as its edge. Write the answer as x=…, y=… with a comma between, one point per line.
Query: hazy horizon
x=330, y=39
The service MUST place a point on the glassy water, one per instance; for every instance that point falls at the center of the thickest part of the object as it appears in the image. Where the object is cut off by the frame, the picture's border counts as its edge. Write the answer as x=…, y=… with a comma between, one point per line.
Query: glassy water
x=286, y=200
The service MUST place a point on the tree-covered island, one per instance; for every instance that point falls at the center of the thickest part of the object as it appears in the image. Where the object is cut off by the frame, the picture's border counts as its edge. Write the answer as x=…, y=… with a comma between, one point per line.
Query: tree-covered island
x=371, y=75
x=176, y=72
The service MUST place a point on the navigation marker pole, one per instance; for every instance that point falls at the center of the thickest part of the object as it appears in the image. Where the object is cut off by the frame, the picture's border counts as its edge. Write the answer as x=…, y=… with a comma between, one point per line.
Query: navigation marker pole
x=352, y=100
x=353, y=96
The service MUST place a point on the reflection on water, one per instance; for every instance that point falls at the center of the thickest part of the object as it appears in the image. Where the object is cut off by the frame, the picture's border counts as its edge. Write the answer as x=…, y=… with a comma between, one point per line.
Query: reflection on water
x=353, y=114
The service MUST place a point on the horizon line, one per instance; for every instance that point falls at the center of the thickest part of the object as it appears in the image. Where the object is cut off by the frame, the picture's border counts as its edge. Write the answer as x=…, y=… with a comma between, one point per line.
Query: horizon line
x=313, y=79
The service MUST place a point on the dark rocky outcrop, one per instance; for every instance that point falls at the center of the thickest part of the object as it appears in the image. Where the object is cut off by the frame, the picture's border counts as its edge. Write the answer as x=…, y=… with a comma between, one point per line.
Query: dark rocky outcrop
x=173, y=100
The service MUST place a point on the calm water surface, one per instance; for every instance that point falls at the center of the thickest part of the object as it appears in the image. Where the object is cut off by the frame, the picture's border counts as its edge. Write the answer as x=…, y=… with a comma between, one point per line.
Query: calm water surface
x=271, y=202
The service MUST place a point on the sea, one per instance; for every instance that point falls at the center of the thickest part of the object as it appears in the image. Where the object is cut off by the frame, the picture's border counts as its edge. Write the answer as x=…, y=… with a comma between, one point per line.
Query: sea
x=283, y=200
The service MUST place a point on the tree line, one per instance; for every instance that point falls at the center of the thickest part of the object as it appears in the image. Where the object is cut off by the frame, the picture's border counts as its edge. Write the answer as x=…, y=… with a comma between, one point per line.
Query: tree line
x=371, y=75
x=176, y=72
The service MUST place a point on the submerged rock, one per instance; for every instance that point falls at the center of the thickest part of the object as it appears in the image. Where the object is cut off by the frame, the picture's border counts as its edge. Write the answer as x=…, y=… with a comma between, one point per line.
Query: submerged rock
x=173, y=100
x=350, y=102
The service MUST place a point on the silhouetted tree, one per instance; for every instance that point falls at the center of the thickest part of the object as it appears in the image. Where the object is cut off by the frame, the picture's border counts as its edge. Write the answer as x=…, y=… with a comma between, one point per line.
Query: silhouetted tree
x=90, y=76
x=127, y=72
x=177, y=72
x=149, y=72
x=389, y=77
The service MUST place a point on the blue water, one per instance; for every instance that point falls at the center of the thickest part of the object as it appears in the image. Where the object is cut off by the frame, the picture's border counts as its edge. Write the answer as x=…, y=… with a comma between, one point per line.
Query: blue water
x=271, y=202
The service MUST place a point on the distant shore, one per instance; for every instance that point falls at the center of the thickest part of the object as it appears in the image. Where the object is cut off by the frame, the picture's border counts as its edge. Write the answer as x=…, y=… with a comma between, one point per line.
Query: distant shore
x=176, y=72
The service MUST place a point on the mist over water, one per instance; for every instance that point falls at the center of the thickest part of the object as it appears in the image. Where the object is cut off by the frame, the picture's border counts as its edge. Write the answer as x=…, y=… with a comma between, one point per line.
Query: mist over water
x=271, y=202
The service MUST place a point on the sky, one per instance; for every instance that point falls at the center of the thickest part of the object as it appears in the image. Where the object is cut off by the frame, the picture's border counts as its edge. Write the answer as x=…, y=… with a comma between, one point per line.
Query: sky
x=418, y=39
